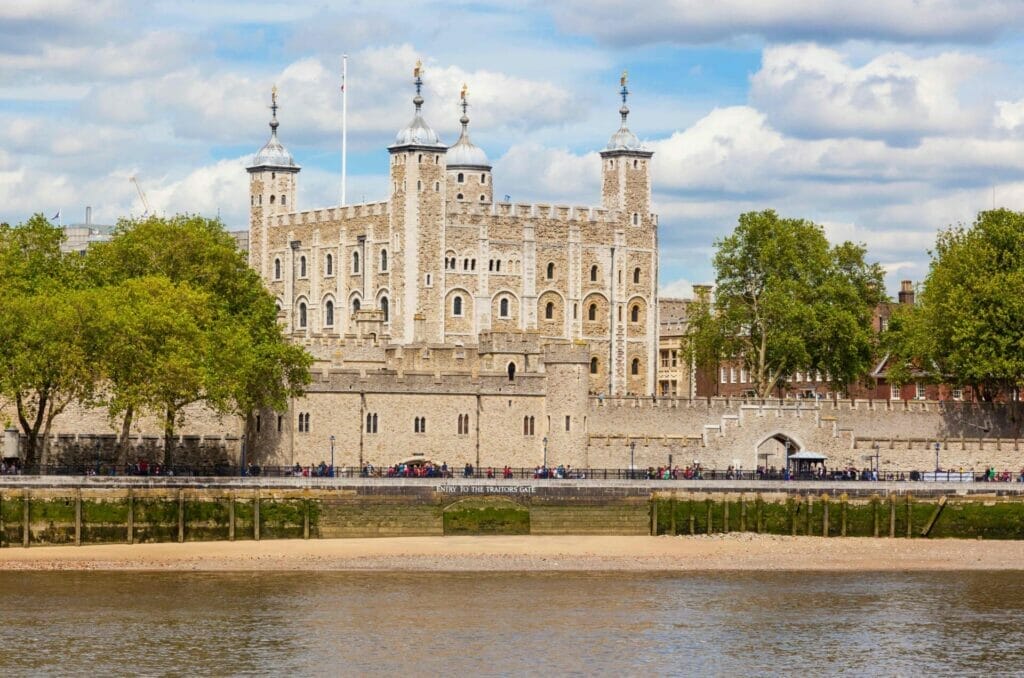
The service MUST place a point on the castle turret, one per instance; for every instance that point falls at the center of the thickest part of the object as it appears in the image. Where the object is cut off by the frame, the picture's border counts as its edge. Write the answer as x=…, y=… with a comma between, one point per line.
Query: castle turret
x=626, y=188
x=417, y=223
x=272, y=189
x=469, y=170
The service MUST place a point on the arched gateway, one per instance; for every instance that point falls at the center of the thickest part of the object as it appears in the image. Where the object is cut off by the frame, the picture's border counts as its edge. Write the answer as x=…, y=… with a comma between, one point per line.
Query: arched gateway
x=775, y=450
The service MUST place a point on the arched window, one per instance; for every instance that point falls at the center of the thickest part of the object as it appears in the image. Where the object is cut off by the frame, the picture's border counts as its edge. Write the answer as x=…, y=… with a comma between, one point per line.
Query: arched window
x=355, y=262
x=329, y=313
x=458, y=196
x=549, y=311
x=636, y=219
x=329, y=264
x=593, y=273
x=592, y=312
x=383, y=260
x=461, y=178
x=497, y=266
x=355, y=305
x=636, y=274
x=634, y=368
x=457, y=307
x=419, y=185
x=526, y=426
x=374, y=422
x=472, y=264
x=437, y=187
x=419, y=158
x=483, y=198
x=593, y=365
x=369, y=423
x=284, y=199
x=503, y=308
x=302, y=267
x=511, y=371
x=465, y=264
x=277, y=269
x=634, y=313
x=551, y=271
x=302, y=314
x=272, y=198
x=385, y=308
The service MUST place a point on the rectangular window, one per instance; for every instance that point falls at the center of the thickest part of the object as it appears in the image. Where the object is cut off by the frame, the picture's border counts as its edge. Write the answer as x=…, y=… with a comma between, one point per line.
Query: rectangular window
x=664, y=388
x=568, y=422
x=664, y=358
x=894, y=392
x=732, y=375
x=725, y=375
x=675, y=358
x=920, y=392
x=674, y=388
x=744, y=375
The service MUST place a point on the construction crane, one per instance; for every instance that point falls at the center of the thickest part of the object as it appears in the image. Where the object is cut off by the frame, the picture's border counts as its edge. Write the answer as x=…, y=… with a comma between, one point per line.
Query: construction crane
x=142, y=196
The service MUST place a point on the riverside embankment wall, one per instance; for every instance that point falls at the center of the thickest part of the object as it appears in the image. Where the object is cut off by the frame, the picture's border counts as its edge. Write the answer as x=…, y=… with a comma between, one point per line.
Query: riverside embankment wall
x=49, y=511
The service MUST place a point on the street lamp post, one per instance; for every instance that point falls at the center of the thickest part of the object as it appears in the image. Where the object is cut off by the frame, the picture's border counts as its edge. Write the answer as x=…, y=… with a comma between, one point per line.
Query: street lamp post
x=877, y=461
x=241, y=470
x=632, y=455
x=332, y=455
x=936, y=461
x=545, y=464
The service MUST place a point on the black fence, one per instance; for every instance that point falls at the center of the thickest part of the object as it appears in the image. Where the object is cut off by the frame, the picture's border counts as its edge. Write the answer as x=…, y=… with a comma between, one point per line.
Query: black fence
x=509, y=473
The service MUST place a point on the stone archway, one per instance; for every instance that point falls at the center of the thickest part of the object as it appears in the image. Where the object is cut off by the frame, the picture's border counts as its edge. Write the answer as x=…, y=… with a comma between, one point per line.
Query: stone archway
x=778, y=446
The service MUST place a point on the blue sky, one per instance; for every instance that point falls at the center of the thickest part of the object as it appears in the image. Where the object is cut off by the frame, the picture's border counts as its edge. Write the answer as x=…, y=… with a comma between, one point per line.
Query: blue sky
x=883, y=120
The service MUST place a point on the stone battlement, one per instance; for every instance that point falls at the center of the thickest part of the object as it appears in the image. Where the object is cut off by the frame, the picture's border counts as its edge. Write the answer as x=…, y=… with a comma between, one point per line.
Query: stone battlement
x=327, y=214
x=536, y=211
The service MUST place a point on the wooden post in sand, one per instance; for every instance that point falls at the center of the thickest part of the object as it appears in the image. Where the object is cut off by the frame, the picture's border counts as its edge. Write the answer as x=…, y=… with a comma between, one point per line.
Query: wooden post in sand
x=256, y=515
x=842, y=517
x=709, y=503
x=672, y=515
x=181, y=516
x=131, y=516
x=875, y=505
x=892, y=516
x=231, y=516
x=743, y=513
x=25, y=499
x=824, y=516
x=725, y=515
x=305, y=518
x=2, y=533
x=910, y=516
x=693, y=519
x=78, y=518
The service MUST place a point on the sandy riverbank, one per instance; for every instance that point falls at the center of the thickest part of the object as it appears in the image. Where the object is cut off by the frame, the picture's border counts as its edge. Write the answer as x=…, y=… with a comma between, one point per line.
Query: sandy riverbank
x=744, y=552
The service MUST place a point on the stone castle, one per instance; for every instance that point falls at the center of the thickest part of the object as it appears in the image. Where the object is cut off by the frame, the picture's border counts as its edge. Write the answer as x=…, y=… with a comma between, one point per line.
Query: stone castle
x=450, y=326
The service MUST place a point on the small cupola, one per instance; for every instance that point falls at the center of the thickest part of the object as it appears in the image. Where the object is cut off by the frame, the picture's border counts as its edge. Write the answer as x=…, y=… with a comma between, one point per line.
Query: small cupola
x=464, y=154
x=417, y=133
x=273, y=155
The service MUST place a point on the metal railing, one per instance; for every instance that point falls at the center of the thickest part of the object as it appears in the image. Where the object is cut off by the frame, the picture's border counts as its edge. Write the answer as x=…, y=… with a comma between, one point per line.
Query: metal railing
x=509, y=473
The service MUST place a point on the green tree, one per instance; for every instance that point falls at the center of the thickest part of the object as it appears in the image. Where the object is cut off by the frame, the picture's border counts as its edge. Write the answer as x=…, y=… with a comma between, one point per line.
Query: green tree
x=233, y=357
x=786, y=301
x=47, y=358
x=149, y=332
x=967, y=326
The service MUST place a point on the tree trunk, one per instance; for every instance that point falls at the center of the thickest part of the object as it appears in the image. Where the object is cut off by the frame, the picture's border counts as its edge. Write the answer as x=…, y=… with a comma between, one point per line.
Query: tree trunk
x=31, y=429
x=169, y=416
x=122, y=442
x=249, y=434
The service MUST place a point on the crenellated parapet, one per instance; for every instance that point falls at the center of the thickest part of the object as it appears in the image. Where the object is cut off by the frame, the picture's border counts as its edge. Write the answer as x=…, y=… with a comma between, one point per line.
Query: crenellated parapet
x=330, y=214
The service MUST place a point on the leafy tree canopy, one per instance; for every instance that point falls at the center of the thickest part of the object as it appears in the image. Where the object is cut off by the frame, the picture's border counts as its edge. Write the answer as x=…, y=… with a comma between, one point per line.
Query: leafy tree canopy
x=786, y=301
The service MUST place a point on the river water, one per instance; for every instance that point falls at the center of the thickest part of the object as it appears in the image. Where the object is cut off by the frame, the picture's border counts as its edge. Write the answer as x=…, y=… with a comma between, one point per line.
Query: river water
x=103, y=623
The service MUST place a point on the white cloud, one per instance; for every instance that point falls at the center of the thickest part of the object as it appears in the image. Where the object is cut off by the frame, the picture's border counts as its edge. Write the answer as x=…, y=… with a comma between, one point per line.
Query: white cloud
x=1010, y=115
x=533, y=173
x=812, y=91
x=680, y=288
x=699, y=21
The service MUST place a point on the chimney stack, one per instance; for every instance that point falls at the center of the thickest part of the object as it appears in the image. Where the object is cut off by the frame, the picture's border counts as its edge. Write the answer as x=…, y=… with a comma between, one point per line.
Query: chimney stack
x=906, y=292
x=88, y=216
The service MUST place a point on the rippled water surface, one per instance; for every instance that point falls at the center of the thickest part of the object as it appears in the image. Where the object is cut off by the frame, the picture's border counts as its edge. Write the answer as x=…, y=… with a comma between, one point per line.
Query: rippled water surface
x=499, y=624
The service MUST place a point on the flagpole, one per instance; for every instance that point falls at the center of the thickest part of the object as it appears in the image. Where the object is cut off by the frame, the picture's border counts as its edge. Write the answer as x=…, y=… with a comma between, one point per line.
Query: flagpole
x=344, y=125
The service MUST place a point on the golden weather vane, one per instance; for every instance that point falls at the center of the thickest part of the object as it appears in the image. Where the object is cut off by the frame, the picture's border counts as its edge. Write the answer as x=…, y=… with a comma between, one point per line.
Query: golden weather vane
x=273, y=95
x=417, y=69
x=464, y=92
x=624, y=78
